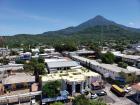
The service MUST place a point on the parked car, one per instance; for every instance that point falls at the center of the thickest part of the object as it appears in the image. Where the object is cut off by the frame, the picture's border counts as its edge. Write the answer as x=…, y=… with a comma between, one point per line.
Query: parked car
x=94, y=96
x=33, y=102
x=101, y=93
x=128, y=89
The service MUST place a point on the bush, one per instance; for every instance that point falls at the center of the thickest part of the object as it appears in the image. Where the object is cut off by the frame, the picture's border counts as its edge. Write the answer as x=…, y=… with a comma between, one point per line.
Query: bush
x=82, y=100
x=122, y=64
x=108, y=58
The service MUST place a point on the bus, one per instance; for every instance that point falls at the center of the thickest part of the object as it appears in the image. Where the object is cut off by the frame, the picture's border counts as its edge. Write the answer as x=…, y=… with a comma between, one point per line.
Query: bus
x=118, y=91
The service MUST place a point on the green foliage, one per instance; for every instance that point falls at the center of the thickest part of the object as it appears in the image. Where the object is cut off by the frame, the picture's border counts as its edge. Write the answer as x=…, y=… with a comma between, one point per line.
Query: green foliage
x=92, y=34
x=65, y=47
x=52, y=89
x=96, y=102
x=41, y=50
x=82, y=100
x=4, y=61
x=118, y=59
x=2, y=42
x=41, y=60
x=19, y=61
x=26, y=49
x=129, y=78
x=40, y=67
x=95, y=47
x=108, y=58
x=120, y=48
x=57, y=103
x=28, y=67
x=13, y=53
x=35, y=65
x=122, y=64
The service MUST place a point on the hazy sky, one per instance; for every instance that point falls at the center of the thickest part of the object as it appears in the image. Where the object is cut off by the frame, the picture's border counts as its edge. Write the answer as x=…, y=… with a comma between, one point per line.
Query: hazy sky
x=38, y=16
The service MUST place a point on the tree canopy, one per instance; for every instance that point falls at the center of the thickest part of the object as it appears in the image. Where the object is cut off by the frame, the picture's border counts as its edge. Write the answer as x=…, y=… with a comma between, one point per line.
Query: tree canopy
x=65, y=47
x=35, y=64
x=41, y=60
x=52, y=88
x=129, y=78
x=108, y=58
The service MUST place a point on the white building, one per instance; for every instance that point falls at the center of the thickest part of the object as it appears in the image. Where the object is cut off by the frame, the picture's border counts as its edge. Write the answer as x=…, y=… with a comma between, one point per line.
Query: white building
x=107, y=70
x=51, y=55
x=10, y=67
x=4, y=51
x=61, y=65
x=25, y=56
x=133, y=59
x=82, y=52
x=74, y=80
x=36, y=50
x=49, y=50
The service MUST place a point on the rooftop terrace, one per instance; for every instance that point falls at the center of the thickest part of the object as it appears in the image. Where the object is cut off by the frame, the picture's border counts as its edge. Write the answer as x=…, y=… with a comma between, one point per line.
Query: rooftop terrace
x=77, y=75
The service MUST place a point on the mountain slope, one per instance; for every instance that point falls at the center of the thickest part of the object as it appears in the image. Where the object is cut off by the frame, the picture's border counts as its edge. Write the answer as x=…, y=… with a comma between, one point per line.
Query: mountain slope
x=96, y=21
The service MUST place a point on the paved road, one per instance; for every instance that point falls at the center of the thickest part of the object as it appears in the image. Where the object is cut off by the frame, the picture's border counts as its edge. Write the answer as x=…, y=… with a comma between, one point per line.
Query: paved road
x=118, y=100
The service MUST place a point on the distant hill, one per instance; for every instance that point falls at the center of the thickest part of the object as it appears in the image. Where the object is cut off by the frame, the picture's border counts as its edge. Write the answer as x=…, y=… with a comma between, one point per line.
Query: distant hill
x=93, y=29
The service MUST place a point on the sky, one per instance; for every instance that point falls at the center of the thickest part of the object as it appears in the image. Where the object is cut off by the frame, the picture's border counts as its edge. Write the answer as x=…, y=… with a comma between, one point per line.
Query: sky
x=38, y=16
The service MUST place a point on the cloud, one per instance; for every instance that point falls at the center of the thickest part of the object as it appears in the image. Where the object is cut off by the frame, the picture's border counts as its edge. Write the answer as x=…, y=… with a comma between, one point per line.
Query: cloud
x=131, y=24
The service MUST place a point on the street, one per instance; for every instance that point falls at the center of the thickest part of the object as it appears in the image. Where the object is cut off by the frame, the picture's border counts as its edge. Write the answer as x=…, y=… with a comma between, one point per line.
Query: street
x=118, y=100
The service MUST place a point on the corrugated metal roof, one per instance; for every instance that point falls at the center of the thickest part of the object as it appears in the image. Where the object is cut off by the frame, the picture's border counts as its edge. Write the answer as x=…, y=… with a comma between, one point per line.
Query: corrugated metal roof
x=62, y=64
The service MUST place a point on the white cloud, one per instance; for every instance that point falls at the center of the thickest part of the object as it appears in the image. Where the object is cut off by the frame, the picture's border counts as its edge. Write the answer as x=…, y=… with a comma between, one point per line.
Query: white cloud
x=131, y=24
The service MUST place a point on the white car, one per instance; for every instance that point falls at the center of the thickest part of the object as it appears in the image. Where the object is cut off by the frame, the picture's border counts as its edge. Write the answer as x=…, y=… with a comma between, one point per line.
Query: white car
x=94, y=96
x=128, y=89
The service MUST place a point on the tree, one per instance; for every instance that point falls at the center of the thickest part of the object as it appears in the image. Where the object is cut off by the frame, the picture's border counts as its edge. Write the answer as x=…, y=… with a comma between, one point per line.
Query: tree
x=41, y=50
x=4, y=61
x=26, y=49
x=129, y=78
x=2, y=41
x=13, y=52
x=41, y=68
x=41, y=60
x=52, y=88
x=31, y=66
x=35, y=65
x=33, y=62
x=19, y=61
x=97, y=50
x=57, y=103
x=108, y=58
x=122, y=64
x=65, y=47
x=28, y=67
